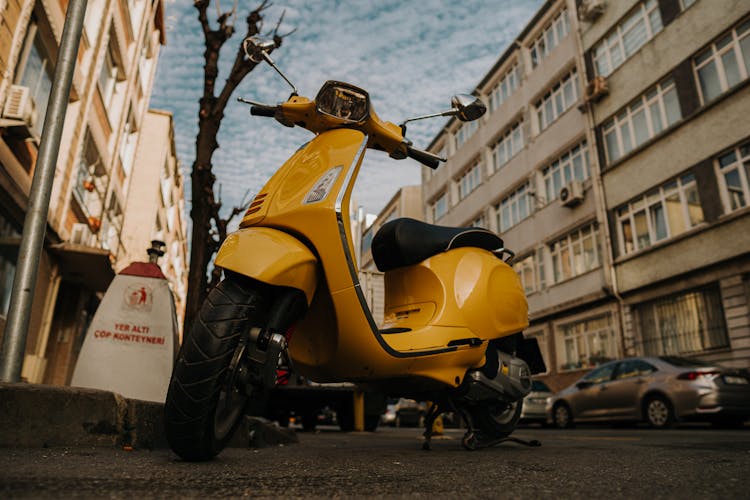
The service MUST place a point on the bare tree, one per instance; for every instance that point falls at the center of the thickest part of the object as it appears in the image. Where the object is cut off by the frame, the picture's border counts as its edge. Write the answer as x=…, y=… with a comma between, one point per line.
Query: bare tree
x=209, y=228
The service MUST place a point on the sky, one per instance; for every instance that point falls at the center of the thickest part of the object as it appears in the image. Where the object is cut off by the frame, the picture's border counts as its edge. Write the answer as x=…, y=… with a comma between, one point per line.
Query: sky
x=410, y=55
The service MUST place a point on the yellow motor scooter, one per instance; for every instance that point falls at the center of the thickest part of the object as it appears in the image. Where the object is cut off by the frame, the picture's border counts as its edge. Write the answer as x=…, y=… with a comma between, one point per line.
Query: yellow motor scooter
x=454, y=308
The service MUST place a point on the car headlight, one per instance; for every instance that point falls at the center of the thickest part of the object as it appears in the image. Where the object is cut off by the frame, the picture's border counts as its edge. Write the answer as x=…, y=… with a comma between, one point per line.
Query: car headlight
x=345, y=102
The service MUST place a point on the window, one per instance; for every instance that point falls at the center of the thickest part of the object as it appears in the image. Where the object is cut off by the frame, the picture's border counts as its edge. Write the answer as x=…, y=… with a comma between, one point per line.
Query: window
x=540, y=268
x=440, y=207
x=508, y=145
x=111, y=225
x=550, y=38
x=505, y=87
x=128, y=142
x=724, y=63
x=470, y=180
x=734, y=180
x=513, y=208
x=651, y=113
x=687, y=322
x=35, y=70
x=479, y=221
x=465, y=131
x=640, y=26
x=576, y=253
x=557, y=100
x=90, y=178
x=8, y=257
x=600, y=375
x=573, y=165
x=526, y=271
x=687, y=3
x=108, y=76
x=587, y=343
x=663, y=213
x=633, y=368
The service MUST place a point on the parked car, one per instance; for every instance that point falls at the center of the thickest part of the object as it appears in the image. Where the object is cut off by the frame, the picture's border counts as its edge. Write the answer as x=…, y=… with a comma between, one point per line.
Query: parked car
x=409, y=413
x=658, y=390
x=535, y=403
x=389, y=415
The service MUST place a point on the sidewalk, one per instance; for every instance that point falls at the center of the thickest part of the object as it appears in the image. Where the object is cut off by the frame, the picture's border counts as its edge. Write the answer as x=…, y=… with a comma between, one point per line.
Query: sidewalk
x=35, y=416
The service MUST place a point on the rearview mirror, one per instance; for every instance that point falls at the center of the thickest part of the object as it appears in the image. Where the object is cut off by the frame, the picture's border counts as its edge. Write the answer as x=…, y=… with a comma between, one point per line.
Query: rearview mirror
x=467, y=107
x=257, y=48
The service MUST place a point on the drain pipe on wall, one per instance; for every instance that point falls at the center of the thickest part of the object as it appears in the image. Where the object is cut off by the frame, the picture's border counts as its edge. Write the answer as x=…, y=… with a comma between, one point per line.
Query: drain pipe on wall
x=610, y=275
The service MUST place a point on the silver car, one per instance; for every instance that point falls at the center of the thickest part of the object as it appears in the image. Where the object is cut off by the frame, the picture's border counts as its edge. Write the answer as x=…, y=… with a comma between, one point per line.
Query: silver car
x=658, y=390
x=535, y=403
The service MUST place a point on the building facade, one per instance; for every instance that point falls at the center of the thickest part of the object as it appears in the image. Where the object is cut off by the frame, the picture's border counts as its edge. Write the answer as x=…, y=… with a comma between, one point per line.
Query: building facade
x=550, y=168
x=96, y=169
x=156, y=207
x=674, y=155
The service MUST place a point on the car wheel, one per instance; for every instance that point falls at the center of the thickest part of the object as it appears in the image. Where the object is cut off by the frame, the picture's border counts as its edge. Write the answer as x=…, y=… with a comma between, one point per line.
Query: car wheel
x=562, y=417
x=658, y=412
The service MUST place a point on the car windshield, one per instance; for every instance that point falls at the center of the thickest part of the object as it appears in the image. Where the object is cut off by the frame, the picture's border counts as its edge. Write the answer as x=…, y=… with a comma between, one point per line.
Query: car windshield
x=683, y=362
x=539, y=386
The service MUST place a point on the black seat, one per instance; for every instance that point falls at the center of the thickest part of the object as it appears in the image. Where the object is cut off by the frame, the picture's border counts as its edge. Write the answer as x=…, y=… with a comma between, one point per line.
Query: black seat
x=404, y=242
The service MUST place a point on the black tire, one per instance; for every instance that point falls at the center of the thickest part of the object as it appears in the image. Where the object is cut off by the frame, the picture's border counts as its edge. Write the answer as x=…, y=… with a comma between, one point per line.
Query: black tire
x=562, y=416
x=496, y=420
x=658, y=412
x=203, y=407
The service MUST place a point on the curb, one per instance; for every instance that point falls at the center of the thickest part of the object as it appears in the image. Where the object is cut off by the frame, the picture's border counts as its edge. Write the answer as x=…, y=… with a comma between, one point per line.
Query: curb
x=36, y=416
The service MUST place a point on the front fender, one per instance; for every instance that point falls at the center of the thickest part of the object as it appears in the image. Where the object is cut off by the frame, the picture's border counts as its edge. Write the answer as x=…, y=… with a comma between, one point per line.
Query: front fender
x=270, y=256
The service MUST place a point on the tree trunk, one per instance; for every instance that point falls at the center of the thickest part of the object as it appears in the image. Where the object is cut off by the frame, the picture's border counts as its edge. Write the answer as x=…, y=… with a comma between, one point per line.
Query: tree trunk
x=209, y=228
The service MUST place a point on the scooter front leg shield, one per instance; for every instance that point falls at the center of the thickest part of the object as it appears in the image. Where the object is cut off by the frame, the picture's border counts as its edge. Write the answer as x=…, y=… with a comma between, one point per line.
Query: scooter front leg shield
x=270, y=256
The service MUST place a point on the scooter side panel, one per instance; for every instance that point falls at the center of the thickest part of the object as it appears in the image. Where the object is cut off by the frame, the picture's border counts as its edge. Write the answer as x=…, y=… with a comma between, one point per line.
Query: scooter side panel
x=468, y=289
x=270, y=256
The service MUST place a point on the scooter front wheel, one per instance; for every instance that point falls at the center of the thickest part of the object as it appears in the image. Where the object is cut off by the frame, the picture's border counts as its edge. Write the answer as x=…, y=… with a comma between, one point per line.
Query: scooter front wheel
x=206, y=395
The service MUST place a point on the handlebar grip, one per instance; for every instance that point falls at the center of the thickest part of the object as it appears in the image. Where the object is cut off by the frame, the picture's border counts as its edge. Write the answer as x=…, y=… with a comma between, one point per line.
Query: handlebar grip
x=266, y=111
x=423, y=157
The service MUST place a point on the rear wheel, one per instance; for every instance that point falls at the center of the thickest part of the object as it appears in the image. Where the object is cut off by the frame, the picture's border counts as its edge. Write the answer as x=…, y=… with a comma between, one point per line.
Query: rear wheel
x=207, y=395
x=658, y=412
x=496, y=420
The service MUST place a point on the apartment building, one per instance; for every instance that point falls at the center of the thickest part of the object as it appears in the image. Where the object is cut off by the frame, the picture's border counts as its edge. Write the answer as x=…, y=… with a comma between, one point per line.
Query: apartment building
x=614, y=161
x=527, y=170
x=674, y=153
x=407, y=202
x=156, y=206
x=96, y=170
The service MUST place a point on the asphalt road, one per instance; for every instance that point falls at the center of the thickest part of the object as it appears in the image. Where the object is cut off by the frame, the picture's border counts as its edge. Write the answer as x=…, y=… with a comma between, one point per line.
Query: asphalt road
x=578, y=463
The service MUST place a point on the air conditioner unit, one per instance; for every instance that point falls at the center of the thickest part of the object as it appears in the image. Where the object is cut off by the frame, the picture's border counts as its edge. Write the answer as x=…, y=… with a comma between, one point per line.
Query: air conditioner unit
x=590, y=10
x=81, y=235
x=572, y=194
x=20, y=105
x=596, y=89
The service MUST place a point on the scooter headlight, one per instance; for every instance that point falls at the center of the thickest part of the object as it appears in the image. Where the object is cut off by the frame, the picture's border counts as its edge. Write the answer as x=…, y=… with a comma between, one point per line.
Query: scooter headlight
x=345, y=102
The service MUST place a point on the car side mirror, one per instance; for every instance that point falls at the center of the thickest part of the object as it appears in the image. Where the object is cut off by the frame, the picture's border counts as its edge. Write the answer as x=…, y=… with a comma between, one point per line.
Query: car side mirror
x=584, y=384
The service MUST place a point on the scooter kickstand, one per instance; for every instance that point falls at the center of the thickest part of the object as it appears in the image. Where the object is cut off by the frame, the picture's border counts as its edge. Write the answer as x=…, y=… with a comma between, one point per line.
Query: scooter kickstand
x=432, y=415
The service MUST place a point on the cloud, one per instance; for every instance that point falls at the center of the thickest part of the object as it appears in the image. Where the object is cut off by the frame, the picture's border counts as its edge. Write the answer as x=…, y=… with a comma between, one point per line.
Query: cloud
x=411, y=57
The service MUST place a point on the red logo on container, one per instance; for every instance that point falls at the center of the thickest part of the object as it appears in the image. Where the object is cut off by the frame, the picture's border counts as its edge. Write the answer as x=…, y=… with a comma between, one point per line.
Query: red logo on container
x=139, y=297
